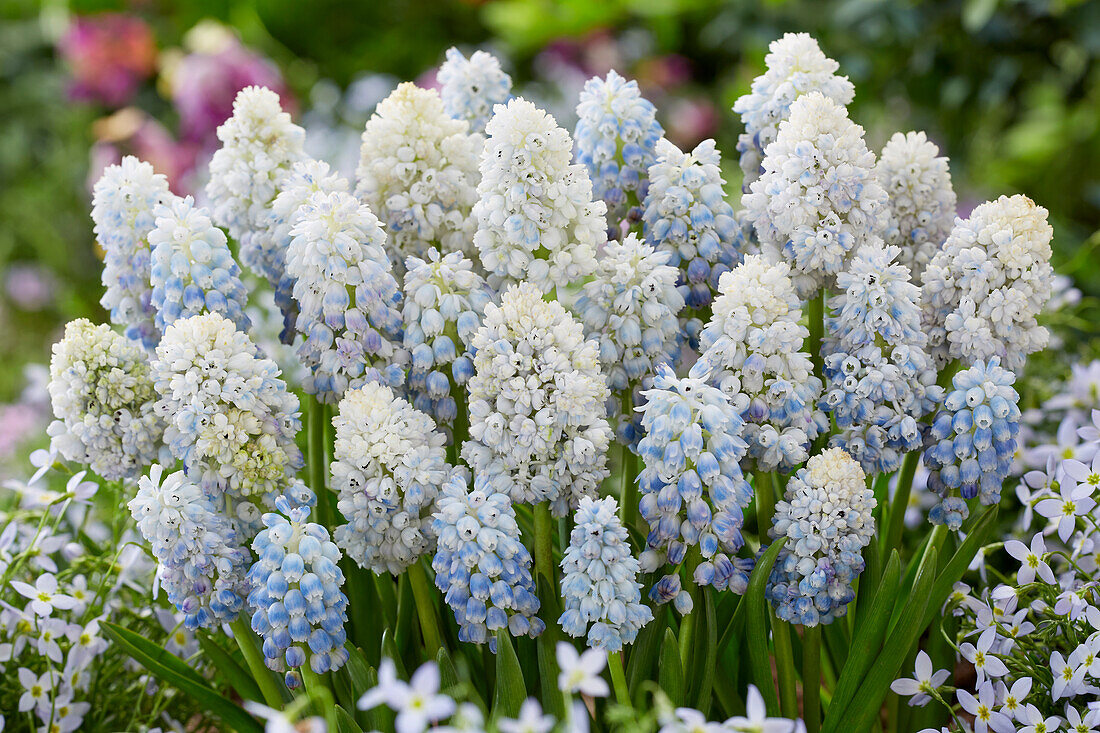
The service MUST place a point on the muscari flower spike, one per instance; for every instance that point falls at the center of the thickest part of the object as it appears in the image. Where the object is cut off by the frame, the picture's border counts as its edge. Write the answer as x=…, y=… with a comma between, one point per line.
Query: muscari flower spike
x=472, y=87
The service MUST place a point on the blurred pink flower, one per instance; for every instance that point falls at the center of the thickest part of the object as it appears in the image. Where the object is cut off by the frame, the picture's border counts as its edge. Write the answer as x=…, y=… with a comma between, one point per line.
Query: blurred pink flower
x=109, y=55
x=29, y=286
x=690, y=121
x=18, y=422
x=131, y=131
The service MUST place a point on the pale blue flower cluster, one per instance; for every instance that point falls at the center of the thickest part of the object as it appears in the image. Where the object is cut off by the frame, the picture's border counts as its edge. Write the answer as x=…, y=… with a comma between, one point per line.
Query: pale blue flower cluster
x=193, y=270
x=693, y=491
x=297, y=606
x=826, y=514
x=974, y=439
x=471, y=87
x=481, y=564
x=201, y=561
x=600, y=585
x=616, y=133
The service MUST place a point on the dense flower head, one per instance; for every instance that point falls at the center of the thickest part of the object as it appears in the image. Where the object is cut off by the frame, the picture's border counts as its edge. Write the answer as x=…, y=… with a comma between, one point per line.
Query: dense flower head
x=297, y=606
x=919, y=195
x=201, y=561
x=826, y=514
x=693, y=491
x=444, y=305
x=973, y=440
x=985, y=288
x=536, y=219
x=754, y=343
x=259, y=146
x=123, y=201
x=472, y=87
x=101, y=390
x=818, y=199
x=795, y=66
x=617, y=130
x=231, y=419
x=538, y=426
x=193, y=270
x=349, y=302
x=418, y=171
x=600, y=585
x=481, y=565
x=388, y=464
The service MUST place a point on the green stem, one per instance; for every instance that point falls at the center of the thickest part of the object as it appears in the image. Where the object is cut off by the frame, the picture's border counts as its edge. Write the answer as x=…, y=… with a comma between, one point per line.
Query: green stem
x=318, y=469
x=764, y=488
x=618, y=678
x=689, y=623
x=817, y=330
x=425, y=608
x=544, y=544
x=901, y=501
x=784, y=667
x=254, y=658
x=320, y=695
x=811, y=678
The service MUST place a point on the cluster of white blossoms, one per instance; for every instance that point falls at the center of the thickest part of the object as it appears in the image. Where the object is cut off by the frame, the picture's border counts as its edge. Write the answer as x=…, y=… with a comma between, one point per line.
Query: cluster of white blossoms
x=536, y=219
x=920, y=197
x=101, y=389
x=231, y=419
x=123, y=202
x=538, y=430
x=418, y=171
x=983, y=291
x=818, y=199
x=388, y=464
x=754, y=343
x=471, y=87
x=795, y=66
x=349, y=303
x=193, y=270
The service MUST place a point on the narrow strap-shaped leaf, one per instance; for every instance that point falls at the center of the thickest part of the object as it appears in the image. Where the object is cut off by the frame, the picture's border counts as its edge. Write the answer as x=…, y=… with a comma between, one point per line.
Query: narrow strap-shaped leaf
x=545, y=654
x=510, y=690
x=345, y=723
x=756, y=626
x=389, y=651
x=960, y=561
x=359, y=677
x=710, y=655
x=379, y=717
x=735, y=627
x=230, y=670
x=670, y=672
x=643, y=655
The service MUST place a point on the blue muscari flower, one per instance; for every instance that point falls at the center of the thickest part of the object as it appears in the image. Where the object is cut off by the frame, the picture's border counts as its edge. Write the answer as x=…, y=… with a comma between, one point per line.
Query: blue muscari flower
x=693, y=491
x=480, y=564
x=470, y=88
x=193, y=271
x=297, y=606
x=972, y=440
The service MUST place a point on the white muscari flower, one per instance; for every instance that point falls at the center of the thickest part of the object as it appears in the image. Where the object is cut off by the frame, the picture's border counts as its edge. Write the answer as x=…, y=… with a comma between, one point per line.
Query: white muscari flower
x=754, y=343
x=795, y=66
x=389, y=462
x=472, y=87
x=536, y=217
x=826, y=512
x=983, y=291
x=101, y=391
x=349, y=302
x=193, y=270
x=920, y=198
x=538, y=426
x=927, y=680
x=580, y=673
x=418, y=171
x=123, y=201
x=818, y=199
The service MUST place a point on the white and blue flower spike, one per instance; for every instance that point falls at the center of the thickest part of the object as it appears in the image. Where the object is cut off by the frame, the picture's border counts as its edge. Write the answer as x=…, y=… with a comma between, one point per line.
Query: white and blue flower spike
x=472, y=87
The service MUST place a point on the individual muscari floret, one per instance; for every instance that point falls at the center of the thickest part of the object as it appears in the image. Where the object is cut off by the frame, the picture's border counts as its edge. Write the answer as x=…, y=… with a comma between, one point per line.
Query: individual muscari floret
x=101, y=390
x=879, y=381
x=349, y=303
x=826, y=516
x=616, y=132
x=230, y=417
x=201, y=561
x=693, y=491
x=306, y=177
x=983, y=291
x=600, y=585
x=259, y=146
x=536, y=219
x=418, y=171
x=470, y=88
x=387, y=467
x=123, y=201
x=972, y=441
x=480, y=564
x=538, y=426
x=193, y=270
x=444, y=305
x=630, y=310
x=795, y=66
x=754, y=342
x=297, y=606
x=920, y=198
x=818, y=199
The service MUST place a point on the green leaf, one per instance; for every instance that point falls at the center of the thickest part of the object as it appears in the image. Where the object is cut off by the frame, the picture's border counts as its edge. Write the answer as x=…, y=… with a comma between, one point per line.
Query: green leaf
x=510, y=691
x=448, y=675
x=545, y=654
x=171, y=670
x=960, y=561
x=644, y=653
x=230, y=671
x=389, y=651
x=670, y=672
x=710, y=655
x=756, y=625
x=345, y=723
